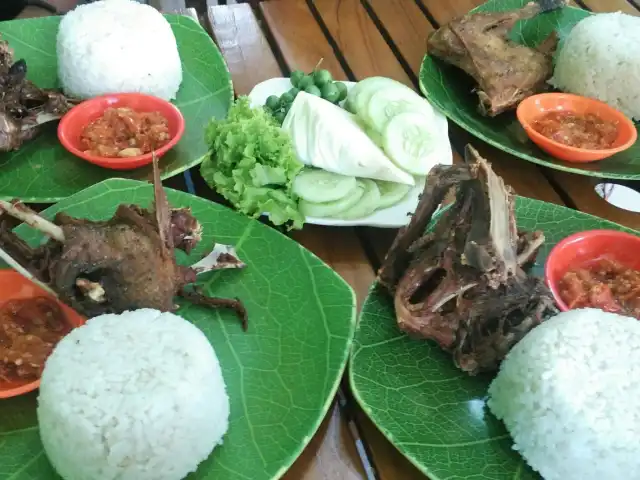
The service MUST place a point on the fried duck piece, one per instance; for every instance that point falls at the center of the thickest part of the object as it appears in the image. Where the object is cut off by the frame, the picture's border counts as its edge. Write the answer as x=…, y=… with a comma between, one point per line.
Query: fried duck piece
x=24, y=106
x=506, y=72
x=462, y=284
x=124, y=263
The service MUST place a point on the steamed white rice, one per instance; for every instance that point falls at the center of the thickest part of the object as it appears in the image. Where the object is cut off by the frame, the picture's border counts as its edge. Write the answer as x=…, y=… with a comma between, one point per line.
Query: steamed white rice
x=137, y=396
x=569, y=395
x=600, y=58
x=117, y=46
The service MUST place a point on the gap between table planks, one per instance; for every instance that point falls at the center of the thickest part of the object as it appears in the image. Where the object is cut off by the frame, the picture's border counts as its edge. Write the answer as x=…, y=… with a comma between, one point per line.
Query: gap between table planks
x=577, y=190
x=250, y=60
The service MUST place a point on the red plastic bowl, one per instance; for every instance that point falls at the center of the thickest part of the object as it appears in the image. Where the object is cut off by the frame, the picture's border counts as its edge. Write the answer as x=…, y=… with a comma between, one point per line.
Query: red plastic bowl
x=74, y=122
x=582, y=248
x=532, y=108
x=14, y=286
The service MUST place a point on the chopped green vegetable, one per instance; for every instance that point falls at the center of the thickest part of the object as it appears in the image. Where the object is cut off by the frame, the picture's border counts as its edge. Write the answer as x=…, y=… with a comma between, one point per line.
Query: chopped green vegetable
x=306, y=81
x=286, y=99
x=273, y=102
x=330, y=92
x=313, y=90
x=252, y=164
x=295, y=78
x=280, y=116
x=322, y=77
x=342, y=88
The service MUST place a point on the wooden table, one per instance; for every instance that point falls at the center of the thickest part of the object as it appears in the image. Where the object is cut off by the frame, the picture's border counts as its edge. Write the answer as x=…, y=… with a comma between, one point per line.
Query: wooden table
x=357, y=39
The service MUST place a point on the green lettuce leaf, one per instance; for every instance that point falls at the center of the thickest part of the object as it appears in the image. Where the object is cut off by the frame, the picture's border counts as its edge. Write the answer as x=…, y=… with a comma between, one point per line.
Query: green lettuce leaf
x=252, y=164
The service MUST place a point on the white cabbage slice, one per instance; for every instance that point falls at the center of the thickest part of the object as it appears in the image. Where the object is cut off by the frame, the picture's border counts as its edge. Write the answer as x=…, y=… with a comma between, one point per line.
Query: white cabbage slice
x=326, y=136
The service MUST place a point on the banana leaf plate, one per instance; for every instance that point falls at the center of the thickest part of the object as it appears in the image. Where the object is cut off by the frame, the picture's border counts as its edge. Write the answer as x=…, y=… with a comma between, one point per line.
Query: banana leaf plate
x=42, y=171
x=432, y=412
x=281, y=375
x=451, y=91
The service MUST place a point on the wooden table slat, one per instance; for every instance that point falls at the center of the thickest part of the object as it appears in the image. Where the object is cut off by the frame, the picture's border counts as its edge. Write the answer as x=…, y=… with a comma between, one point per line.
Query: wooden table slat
x=243, y=45
x=299, y=37
x=369, y=55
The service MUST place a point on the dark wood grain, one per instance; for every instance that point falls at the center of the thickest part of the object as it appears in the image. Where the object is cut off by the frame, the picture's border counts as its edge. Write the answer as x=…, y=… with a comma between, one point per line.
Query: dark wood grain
x=299, y=37
x=243, y=45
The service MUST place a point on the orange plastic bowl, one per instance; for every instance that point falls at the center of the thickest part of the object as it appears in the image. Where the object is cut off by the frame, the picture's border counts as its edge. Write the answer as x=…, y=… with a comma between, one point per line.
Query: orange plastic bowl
x=73, y=123
x=14, y=286
x=581, y=249
x=532, y=108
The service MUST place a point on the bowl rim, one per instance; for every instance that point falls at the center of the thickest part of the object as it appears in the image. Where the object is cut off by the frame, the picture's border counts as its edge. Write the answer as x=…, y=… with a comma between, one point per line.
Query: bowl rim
x=550, y=281
x=119, y=162
x=28, y=387
x=607, y=152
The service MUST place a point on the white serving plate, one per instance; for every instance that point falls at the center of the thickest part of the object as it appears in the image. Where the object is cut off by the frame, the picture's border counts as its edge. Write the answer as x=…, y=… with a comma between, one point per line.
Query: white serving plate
x=393, y=217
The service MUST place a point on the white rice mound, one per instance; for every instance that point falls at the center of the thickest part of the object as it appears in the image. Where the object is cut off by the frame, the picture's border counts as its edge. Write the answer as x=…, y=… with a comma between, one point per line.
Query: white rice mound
x=569, y=393
x=137, y=396
x=117, y=46
x=600, y=58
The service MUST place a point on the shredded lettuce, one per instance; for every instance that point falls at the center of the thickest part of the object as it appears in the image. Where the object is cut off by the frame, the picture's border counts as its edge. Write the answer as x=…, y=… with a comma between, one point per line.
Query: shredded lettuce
x=252, y=164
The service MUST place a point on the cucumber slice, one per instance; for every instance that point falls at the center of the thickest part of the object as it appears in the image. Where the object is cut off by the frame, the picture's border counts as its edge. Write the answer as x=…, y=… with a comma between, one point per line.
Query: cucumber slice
x=330, y=209
x=367, y=204
x=389, y=102
x=391, y=193
x=360, y=94
x=375, y=137
x=412, y=144
x=372, y=134
x=320, y=186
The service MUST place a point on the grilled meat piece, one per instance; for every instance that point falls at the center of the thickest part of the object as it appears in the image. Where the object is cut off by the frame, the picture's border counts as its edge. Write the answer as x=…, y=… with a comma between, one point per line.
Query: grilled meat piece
x=124, y=263
x=24, y=106
x=462, y=284
x=506, y=72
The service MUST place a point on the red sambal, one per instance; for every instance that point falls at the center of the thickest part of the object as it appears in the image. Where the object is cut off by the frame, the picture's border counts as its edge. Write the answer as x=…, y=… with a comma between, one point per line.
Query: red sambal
x=29, y=331
x=123, y=132
x=604, y=284
x=581, y=131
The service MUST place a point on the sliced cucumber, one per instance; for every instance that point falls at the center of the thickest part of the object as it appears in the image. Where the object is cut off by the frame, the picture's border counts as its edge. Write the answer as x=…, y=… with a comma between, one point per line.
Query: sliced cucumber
x=360, y=94
x=330, y=209
x=371, y=133
x=411, y=143
x=367, y=204
x=320, y=186
x=385, y=104
x=391, y=193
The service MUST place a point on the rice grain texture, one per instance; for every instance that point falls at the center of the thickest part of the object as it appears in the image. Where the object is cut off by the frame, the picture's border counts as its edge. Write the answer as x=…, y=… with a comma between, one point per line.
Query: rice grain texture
x=136, y=396
x=117, y=46
x=568, y=393
x=600, y=58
